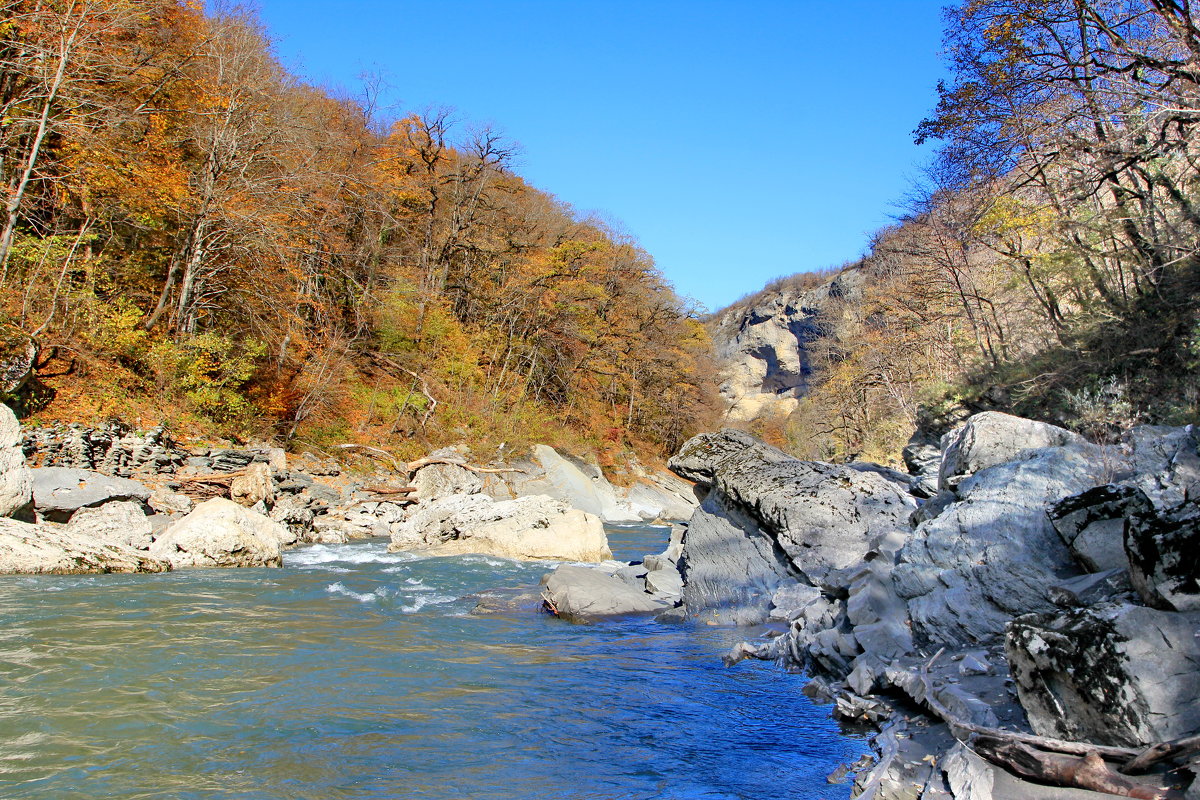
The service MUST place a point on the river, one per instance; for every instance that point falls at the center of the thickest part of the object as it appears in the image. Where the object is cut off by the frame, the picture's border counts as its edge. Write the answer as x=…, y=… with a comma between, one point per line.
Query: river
x=355, y=673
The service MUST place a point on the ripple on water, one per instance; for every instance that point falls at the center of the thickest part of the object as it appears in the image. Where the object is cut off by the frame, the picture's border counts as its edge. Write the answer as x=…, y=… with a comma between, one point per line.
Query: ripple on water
x=358, y=673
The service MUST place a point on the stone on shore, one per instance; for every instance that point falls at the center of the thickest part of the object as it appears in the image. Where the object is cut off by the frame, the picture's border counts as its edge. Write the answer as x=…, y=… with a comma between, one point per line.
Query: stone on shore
x=1092, y=524
x=527, y=528
x=119, y=522
x=16, y=483
x=221, y=533
x=52, y=549
x=581, y=593
x=1114, y=674
x=253, y=486
x=58, y=492
x=435, y=481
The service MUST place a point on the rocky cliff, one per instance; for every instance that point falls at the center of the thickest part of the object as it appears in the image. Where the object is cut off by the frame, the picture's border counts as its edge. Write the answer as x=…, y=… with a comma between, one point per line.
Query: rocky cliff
x=764, y=343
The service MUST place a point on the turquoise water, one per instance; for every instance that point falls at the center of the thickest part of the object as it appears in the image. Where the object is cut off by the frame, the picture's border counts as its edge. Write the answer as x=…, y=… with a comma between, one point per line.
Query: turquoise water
x=354, y=673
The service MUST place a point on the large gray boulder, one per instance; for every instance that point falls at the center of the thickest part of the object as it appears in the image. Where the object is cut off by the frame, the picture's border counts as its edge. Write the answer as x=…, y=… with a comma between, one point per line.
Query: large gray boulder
x=16, y=483
x=221, y=533
x=770, y=519
x=1113, y=674
x=1164, y=556
x=1092, y=524
x=119, y=522
x=58, y=492
x=529, y=528
x=581, y=593
x=52, y=549
x=992, y=438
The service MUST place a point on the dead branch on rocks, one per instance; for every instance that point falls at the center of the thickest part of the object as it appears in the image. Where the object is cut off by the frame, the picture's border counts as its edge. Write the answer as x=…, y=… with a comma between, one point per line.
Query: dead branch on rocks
x=1163, y=751
x=413, y=466
x=1088, y=772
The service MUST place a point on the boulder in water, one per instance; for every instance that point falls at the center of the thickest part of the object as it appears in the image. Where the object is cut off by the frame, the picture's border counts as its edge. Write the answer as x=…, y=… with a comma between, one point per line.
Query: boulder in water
x=581, y=593
x=535, y=527
x=221, y=533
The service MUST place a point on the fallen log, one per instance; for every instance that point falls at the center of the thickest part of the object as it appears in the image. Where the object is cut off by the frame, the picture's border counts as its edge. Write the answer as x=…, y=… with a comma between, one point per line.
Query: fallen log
x=413, y=466
x=1163, y=751
x=217, y=477
x=389, y=489
x=1057, y=769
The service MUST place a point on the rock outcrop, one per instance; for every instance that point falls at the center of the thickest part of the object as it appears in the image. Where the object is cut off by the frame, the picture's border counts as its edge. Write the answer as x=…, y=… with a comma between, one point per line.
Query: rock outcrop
x=768, y=519
x=764, y=345
x=535, y=527
x=221, y=533
x=119, y=522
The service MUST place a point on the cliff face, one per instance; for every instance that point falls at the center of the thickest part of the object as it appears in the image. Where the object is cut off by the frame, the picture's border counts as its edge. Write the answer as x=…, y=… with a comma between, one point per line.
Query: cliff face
x=764, y=344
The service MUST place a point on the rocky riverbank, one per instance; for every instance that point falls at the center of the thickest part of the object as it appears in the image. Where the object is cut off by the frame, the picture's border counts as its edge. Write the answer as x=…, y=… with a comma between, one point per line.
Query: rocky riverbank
x=1017, y=616
x=108, y=499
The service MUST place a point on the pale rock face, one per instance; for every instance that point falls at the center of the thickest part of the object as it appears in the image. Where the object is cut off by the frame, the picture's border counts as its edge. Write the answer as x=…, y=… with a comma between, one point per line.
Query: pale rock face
x=530, y=528
x=591, y=493
x=764, y=347
x=221, y=533
x=436, y=481
x=119, y=522
x=16, y=483
x=51, y=549
x=164, y=501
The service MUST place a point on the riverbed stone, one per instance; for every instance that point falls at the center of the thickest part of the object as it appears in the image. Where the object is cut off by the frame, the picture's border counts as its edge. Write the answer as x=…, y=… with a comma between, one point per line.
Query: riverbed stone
x=435, y=481
x=535, y=527
x=253, y=486
x=53, y=549
x=58, y=492
x=16, y=483
x=1115, y=674
x=119, y=522
x=581, y=593
x=992, y=438
x=221, y=533
x=1092, y=524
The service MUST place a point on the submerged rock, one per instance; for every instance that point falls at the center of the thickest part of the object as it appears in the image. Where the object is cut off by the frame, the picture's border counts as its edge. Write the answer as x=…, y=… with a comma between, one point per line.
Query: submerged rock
x=1112, y=674
x=221, y=533
x=581, y=593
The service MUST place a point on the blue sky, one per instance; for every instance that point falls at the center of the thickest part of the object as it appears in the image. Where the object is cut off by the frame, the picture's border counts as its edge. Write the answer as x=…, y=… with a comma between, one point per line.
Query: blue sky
x=736, y=141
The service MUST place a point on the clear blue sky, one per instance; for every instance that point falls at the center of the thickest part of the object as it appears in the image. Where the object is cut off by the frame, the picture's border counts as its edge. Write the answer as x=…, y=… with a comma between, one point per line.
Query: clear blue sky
x=736, y=141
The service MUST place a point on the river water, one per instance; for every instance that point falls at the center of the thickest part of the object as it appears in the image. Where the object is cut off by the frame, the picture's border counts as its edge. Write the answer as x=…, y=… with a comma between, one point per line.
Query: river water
x=355, y=673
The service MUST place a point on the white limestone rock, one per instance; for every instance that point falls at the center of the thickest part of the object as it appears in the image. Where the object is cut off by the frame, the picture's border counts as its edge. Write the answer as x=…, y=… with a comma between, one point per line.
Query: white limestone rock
x=119, y=522
x=530, y=528
x=221, y=533
x=52, y=549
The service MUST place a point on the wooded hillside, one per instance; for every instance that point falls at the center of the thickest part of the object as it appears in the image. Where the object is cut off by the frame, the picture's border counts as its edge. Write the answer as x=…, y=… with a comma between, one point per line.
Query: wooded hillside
x=192, y=234
x=1049, y=266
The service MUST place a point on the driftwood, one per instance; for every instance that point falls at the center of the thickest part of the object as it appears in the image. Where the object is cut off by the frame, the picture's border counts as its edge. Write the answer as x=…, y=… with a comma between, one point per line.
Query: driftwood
x=216, y=477
x=389, y=489
x=1162, y=752
x=1087, y=772
x=413, y=466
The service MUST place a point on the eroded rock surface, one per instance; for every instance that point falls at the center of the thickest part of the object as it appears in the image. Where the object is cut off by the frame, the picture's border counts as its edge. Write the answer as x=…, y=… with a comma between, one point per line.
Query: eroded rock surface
x=58, y=492
x=16, y=483
x=1164, y=556
x=1111, y=674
